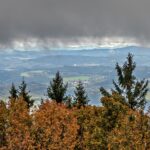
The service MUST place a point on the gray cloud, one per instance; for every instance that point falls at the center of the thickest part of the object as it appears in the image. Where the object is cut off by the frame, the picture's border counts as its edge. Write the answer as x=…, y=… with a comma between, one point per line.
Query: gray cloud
x=42, y=19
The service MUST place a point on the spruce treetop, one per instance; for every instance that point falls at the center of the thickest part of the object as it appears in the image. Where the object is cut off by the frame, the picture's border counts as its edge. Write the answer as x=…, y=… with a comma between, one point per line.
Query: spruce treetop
x=81, y=98
x=13, y=92
x=127, y=85
x=57, y=89
x=25, y=94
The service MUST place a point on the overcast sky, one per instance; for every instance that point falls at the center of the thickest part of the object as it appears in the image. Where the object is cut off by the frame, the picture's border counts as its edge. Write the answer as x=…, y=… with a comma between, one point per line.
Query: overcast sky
x=40, y=20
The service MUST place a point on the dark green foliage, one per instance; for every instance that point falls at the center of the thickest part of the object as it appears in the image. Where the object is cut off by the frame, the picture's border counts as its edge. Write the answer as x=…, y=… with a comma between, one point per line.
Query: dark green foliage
x=81, y=98
x=57, y=89
x=128, y=86
x=13, y=92
x=104, y=92
x=69, y=103
x=25, y=94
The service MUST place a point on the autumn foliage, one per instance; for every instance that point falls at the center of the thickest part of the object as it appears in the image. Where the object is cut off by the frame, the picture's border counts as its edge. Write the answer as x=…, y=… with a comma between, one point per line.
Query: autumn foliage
x=54, y=126
x=51, y=126
x=121, y=123
x=18, y=126
x=124, y=127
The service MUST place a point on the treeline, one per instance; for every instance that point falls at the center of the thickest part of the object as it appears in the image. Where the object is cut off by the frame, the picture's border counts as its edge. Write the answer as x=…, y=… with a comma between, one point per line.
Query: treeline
x=65, y=123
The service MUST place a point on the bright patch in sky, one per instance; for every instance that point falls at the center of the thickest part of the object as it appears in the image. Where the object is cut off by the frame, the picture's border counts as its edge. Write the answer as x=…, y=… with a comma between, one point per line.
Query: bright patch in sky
x=71, y=44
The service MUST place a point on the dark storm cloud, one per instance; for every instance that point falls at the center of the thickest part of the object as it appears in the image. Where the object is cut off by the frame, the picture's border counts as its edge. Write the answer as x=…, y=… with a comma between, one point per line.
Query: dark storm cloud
x=20, y=19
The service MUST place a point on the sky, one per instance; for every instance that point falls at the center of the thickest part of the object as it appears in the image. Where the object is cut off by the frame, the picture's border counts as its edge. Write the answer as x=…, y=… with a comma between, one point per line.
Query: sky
x=26, y=24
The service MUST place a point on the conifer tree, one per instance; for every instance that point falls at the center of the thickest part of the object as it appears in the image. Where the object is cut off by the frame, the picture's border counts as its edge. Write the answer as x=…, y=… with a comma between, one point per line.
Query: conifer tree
x=13, y=92
x=25, y=94
x=81, y=98
x=57, y=89
x=133, y=90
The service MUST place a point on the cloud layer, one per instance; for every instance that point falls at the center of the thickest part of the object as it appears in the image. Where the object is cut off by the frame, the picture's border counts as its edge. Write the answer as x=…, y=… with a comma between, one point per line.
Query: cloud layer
x=25, y=20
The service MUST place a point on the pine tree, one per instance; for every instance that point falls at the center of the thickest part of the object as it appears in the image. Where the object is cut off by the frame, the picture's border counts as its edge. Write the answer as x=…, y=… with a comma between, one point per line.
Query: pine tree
x=13, y=92
x=128, y=86
x=57, y=89
x=81, y=98
x=25, y=94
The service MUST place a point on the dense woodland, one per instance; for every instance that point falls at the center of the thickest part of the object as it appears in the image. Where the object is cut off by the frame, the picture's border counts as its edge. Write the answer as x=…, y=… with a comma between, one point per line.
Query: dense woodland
x=65, y=122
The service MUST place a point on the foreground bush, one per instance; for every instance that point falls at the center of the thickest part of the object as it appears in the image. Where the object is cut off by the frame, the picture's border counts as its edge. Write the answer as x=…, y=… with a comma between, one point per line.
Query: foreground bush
x=51, y=126
x=19, y=126
x=90, y=134
x=55, y=127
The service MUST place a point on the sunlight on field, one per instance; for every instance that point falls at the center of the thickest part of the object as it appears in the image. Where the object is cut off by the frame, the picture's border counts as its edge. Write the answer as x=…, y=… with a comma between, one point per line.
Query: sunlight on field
x=32, y=73
x=25, y=74
x=76, y=78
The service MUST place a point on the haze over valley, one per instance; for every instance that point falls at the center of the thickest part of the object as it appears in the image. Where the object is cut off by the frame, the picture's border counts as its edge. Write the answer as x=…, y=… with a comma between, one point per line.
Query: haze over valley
x=94, y=67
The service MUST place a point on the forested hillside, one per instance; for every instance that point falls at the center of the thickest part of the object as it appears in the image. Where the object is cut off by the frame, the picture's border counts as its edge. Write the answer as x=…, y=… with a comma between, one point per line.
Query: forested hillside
x=69, y=122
